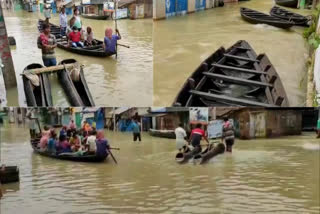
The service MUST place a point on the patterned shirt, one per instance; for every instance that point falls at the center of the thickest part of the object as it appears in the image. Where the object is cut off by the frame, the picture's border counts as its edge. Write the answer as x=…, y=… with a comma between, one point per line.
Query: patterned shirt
x=44, y=40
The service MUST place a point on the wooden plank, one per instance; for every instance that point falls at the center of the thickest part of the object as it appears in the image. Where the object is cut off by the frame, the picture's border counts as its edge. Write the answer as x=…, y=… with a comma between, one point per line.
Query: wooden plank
x=223, y=98
x=237, y=80
x=241, y=58
x=250, y=71
x=50, y=69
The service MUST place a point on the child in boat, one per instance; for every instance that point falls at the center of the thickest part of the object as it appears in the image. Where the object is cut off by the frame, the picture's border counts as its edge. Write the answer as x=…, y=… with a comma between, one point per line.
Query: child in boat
x=75, y=141
x=63, y=145
x=63, y=131
x=71, y=24
x=102, y=145
x=110, y=41
x=75, y=38
x=91, y=142
x=44, y=138
x=89, y=41
x=52, y=142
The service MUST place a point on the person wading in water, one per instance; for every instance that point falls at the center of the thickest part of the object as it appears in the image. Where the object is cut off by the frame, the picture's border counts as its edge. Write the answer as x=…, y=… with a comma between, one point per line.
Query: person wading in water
x=195, y=138
x=180, y=136
x=228, y=134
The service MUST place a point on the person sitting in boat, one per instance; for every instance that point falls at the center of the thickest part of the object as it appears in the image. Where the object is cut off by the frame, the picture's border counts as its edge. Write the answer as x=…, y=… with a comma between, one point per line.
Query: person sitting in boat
x=72, y=125
x=47, y=43
x=228, y=134
x=44, y=139
x=102, y=145
x=75, y=141
x=88, y=38
x=195, y=138
x=63, y=145
x=110, y=41
x=63, y=131
x=75, y=38
x=91, y=142
x=52, y=142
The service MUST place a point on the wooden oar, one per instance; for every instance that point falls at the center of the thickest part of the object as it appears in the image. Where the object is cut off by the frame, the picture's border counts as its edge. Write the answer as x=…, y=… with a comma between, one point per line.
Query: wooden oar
x=126, y=46
x=112, y=156
x=115, y=148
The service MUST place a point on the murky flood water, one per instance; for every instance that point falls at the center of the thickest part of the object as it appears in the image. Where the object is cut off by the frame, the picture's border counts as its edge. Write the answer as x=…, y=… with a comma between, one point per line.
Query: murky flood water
x=112, y=82
x=182, y=43
x=279, y=175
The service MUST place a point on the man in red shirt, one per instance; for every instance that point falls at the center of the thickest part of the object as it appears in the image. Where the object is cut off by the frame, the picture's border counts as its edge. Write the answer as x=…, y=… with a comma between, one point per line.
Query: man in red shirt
x=75, y=38
x=195, y=138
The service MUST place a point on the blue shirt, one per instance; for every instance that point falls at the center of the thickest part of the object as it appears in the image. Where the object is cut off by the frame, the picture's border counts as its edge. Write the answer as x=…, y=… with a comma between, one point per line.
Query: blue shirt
x=102, y=146
x=111, y=43
x=135, y=128
x=52, y=145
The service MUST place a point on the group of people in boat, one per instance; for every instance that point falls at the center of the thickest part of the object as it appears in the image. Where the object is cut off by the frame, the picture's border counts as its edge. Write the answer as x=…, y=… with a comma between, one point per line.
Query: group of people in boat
x=198, y=133
x=76, y=36
x=86, y=141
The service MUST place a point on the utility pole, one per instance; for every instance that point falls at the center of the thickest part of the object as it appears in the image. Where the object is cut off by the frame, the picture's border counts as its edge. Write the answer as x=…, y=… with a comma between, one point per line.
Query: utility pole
x=9, y=75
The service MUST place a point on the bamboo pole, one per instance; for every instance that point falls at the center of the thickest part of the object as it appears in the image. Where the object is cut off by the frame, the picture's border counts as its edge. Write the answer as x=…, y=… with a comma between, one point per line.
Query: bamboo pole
x=116, y=27
x=50, y=69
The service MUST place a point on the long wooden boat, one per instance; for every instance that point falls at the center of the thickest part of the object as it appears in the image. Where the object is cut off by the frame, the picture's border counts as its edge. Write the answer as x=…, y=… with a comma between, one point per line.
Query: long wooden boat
x=233, y=77
x=62, y=42
x=77, y=90
x=256, y=17
x=287, y=3
x=219, y=149
x=9, y=175
x=162, y=133
x=37, y=95
x=95, y=16
x=68, y=156
x=289, y=16
x=185, y=155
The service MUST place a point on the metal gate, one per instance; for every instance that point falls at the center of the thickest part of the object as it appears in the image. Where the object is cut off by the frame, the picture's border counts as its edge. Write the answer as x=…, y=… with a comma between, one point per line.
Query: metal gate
x=181, y=7
x=170, y=7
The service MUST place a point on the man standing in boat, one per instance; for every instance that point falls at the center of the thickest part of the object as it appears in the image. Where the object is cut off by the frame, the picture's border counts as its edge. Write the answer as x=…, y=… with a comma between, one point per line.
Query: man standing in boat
x=180, y=136
x=228, y=134
x=47, y=43
x=195, y=138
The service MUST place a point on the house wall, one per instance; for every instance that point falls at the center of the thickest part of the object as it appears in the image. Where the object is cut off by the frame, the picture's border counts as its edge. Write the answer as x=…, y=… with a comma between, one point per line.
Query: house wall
x=283, y=122
x=167, y=122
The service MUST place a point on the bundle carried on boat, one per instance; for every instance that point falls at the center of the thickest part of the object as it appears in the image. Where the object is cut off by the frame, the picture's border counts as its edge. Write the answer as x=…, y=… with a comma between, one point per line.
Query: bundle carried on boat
x=290, y=16
x=256, y=17
x=95, y=16
x=11, y=40
x=9, y=174
x=233, y=77
x=68, y=156
x=287, y=3
x=37, y=85
x=162, y=133
x=62, y=42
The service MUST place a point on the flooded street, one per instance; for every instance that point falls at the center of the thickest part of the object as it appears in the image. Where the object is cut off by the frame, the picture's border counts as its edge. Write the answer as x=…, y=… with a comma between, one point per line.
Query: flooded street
x=181, y=43
x=112, y=82
x=274, y=175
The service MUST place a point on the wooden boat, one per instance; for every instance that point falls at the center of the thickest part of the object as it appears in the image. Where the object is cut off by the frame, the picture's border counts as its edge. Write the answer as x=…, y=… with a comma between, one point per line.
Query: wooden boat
x=94, y=16
x=186, y=155
x=219, y=149
x=287, y=3
x=77, y=91
x=62, y=42
x=37, y=95
x=198, y=158
x=162, y=133
x=9, y=175
x=68, y=156
x=256, y=17
x=289, y=16
x=233, y=77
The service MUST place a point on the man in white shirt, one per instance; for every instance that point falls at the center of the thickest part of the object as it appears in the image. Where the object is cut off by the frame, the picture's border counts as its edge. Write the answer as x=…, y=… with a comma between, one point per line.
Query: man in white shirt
x=91, y=143
x=47, y=13
x=180, y=136
x=63, y=21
